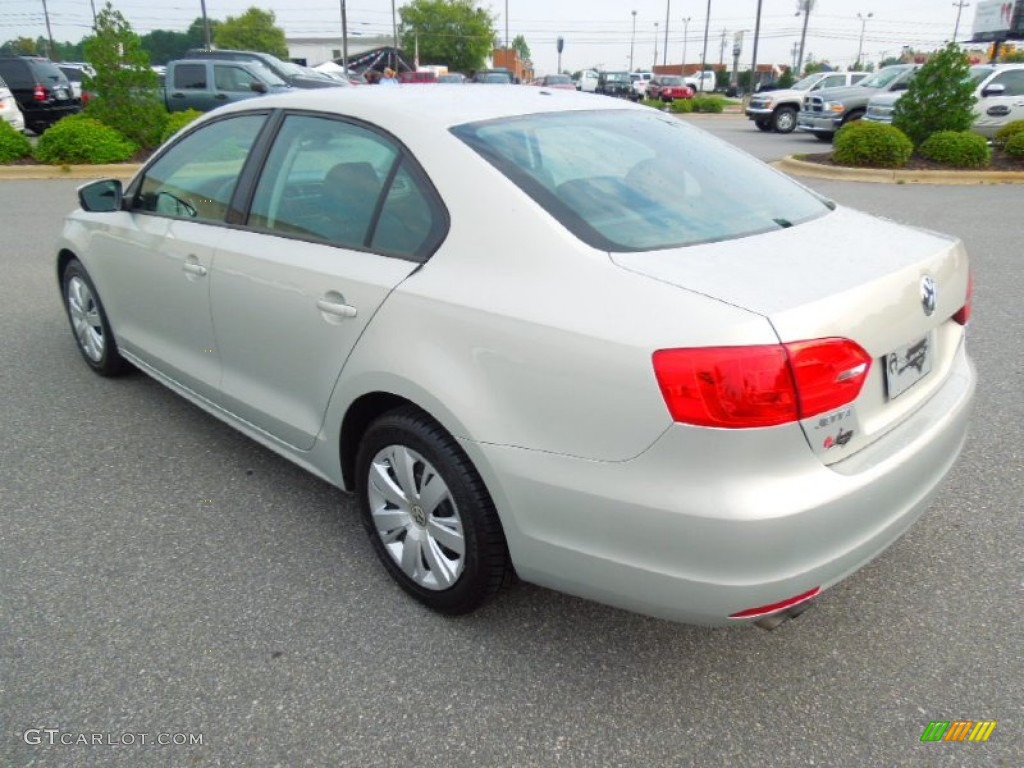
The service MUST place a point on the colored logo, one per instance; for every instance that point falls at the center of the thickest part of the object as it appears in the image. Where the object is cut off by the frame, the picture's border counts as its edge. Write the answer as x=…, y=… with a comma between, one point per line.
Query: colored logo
x=958, y=730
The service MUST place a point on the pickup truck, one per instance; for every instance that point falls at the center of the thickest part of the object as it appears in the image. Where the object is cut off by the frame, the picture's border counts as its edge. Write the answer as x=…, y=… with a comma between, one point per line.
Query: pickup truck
x=207, y=84
x=825, y=112
x=777, y=110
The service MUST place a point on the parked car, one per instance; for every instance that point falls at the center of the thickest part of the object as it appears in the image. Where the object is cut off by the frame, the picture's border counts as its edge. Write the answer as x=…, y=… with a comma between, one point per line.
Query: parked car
x=42, y=91
x=494, y=77
x=291, y=73
x=9, y=110
x=999, y=90
x=76, y=72
x=452, y=77
x=206, y=84
x=417, y=77
x=701, y=82
x=616, y=84
x=555, y=81
x=668, y=88
x=826, y=111
x=656, y=406
x=640, y=81
x=586, y=81
x=777, y=110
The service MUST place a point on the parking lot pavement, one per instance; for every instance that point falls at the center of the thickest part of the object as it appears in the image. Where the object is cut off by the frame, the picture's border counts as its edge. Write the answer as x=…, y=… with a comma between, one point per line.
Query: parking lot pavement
x=164, y=575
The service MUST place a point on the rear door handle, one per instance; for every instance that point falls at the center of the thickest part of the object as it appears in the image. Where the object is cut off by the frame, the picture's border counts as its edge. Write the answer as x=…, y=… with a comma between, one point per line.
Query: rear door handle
x=336, y=308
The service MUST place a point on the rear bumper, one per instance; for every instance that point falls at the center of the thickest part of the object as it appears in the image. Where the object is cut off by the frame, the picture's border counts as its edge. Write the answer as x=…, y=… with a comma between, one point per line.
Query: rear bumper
x=707, y=523
x=48, y=114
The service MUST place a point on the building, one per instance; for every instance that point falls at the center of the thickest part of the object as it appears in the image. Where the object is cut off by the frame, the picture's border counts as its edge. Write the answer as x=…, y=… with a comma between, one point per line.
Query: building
x=311, y=51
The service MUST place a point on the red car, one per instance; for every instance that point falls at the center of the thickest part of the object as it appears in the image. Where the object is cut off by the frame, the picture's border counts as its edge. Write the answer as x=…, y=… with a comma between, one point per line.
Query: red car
x=668, y=88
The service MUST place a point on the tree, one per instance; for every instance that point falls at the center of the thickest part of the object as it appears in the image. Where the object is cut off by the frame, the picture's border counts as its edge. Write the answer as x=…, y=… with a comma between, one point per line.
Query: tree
x=786, y=79
x=519, y=44
x=939, y=98
x=127, y=89
x=254, y=30
x=163, y=45
x=22, y=46
x=451, y=32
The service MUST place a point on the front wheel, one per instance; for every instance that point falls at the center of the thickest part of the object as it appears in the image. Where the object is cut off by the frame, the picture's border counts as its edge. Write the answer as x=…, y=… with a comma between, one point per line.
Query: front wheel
x=429, y=517
x=784, y=120
x=823, y=136
x=89, y=322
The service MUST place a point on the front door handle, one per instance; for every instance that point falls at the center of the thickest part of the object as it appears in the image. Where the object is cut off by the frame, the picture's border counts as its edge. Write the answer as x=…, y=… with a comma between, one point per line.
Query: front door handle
x=338, y=308
x=195, y=269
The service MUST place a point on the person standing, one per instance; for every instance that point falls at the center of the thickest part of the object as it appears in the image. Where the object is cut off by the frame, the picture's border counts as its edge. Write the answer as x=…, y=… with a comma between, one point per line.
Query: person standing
x=389, y=77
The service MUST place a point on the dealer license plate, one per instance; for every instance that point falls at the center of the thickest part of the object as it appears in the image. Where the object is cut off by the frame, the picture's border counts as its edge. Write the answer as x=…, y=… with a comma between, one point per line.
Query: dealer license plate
x=906, y=366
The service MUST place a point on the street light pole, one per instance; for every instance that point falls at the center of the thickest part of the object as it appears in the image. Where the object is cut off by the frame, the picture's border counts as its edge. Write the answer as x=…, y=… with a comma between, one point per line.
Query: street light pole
x=686, y=34
x=863, y=24
x=344, y=38
x=806, y=5
x=206, y=26
x=704, y=53
x=753, y=64
x=655, y=47
x=632, y=42
x=506, y=25
x=664, y=55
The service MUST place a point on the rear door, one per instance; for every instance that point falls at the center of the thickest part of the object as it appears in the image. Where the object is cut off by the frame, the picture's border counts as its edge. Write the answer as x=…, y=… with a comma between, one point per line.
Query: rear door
x=340, y=215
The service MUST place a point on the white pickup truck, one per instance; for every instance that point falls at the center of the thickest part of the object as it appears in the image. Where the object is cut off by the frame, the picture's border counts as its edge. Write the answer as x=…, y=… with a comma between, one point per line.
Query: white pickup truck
x=777, y=110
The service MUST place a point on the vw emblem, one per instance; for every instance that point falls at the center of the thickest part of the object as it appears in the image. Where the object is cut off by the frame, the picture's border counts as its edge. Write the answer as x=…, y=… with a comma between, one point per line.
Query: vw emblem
x=929, y=295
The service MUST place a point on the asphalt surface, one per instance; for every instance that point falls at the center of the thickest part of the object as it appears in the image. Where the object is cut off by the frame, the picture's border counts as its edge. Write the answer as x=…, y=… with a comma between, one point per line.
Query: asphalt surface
x=162, y=574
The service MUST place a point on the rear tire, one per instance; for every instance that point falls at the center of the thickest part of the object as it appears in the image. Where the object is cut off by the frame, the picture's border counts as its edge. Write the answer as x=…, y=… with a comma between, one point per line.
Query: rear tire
x=763, y=125
x=429, y=516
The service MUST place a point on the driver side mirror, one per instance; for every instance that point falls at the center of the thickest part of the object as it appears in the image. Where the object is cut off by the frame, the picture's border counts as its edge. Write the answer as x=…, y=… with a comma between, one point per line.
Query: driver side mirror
x=996, y=89
x=103, y=196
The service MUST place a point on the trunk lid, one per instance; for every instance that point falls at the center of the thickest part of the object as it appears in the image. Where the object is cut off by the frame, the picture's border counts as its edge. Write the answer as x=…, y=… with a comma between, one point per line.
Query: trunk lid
x=846, y=275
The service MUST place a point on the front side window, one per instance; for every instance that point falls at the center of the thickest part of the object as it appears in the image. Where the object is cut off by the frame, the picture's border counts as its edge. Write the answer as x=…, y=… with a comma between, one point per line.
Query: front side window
x=345, y=184
x=232, y=78
x=196, y=177
x=635, y=180
x=1012, y=80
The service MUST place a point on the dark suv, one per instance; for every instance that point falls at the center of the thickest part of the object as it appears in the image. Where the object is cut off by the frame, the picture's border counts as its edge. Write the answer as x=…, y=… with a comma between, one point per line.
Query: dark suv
x=617, y=84
x=41, y=90
x=293, y=74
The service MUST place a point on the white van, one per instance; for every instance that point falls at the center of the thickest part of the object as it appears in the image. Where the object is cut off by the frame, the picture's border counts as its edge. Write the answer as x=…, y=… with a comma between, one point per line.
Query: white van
x=586, y=81
x=640, y=81
x=701, y=82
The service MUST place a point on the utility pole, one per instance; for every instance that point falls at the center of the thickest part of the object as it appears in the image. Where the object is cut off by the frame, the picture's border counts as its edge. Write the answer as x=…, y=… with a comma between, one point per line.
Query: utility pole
x=92, y=4
x=632, y=42
x=753, y=63
x=655, y=47
x=668, y=10
x=506, y=25
x=344, y=38
x=206, y=27
x=394, y=35
x=860, y=46
x=721, y=48
x=49, y=34
x=704, y=53
x=806, y=6
x=686, y=34
x=792, y=55
x=959, y=9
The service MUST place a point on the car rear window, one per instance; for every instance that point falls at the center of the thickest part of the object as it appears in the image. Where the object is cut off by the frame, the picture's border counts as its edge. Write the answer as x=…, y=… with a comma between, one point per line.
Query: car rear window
x=46, y=72
x=638, y=180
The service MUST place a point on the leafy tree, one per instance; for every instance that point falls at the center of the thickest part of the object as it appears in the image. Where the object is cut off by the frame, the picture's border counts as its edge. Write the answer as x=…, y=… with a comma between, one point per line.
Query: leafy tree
x=939, y=98
x=787, y=79
x=21, y=46
x=451, y=32
x=519, y=44
x=163, y=45
x=128, y=98
x=888, y=61
x=254, y=30
x=197, y=33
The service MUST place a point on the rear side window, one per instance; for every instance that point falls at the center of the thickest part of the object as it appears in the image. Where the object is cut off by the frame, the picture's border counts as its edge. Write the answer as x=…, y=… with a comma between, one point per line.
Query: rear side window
x=190, y=76
x=46, y=73
x=636, y=180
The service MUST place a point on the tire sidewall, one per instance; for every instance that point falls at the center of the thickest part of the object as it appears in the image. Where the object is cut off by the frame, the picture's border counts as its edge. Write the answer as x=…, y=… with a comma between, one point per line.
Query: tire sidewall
x=110, y=362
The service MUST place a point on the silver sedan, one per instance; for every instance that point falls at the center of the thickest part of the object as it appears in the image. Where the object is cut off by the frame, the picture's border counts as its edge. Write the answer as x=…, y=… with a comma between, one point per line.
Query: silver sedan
x=541, y=333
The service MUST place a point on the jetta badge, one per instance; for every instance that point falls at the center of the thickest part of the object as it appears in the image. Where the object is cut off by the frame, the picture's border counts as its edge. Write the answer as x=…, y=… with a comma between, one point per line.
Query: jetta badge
x=929, y=295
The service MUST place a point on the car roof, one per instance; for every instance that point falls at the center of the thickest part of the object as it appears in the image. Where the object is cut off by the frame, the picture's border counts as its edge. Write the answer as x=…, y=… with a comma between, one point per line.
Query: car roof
x=439, y=108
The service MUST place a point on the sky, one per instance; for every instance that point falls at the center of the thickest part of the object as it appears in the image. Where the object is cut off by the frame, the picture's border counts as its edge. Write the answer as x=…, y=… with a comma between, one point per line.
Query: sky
x=597, y=33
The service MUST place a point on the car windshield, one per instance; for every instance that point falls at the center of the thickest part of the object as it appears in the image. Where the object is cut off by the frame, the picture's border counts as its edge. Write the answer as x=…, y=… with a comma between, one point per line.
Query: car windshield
x=617, y=77
x=291, y=69
x=557, y=79
x=882, y=77
x=806, y=83
x=494, y=77
x=665, y=184
x=265, y=73
x=977, y=74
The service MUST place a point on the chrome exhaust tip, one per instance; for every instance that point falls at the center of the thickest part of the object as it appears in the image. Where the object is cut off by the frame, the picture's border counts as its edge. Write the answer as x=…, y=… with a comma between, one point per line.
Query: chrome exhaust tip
x=775, y=620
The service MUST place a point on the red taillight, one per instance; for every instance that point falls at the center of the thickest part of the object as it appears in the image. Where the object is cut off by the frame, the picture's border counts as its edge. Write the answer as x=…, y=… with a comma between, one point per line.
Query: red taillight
x=964, y=313
x=759, y=386
x=39, y=93
x=764, y=610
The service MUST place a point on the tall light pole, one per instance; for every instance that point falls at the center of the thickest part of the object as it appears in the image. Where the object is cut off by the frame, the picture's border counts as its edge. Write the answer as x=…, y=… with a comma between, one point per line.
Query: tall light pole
x=655, y=47
x=686, y=34
x=506, y=25
x=394, y=35
x=206, y=26
x=632, y=43
x=93, y=6
x=805, y=6
x=49, y=35
x=344, y=38
x=959, y=9
x=860, y=46
x=704, y=53
x=668, y=10
x=753, y=63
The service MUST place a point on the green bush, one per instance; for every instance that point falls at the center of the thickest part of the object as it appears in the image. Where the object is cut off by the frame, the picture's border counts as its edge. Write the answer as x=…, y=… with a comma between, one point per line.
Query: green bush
x=1004, y=134
x=178, y=120
x=708, y=104
x=1014, y=146
x=682, y=106
x=653, y=103
x=960, y=149
x=872, y=145
x=939, y=98
x=81, y=139
x=13, y=146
